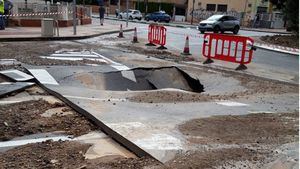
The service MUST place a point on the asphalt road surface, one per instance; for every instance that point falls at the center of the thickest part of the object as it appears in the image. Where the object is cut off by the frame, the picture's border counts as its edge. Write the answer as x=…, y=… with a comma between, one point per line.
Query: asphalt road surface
x=271, y=60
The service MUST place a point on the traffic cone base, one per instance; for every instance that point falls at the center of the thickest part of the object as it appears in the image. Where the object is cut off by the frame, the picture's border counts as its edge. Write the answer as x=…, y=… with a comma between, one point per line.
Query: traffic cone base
x=135, y=39
x=186, y=49
x=121, y=32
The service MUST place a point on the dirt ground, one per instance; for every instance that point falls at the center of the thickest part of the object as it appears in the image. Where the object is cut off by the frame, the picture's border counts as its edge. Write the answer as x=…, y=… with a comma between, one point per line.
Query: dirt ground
x=262, y=128
x=25, y=52
x=263, y=131
x=25, y=118
x=160, y=54
x=253, y=86
x=291, y=41
x=66, y=154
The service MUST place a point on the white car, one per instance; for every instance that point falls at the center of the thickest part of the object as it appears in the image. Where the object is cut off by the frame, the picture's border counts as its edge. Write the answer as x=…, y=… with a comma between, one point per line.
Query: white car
x=132, y=14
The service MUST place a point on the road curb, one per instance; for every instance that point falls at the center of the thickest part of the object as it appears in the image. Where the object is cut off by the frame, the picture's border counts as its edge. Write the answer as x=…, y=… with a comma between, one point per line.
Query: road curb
x=275, y=32
x=277, y=50
x=60, y=38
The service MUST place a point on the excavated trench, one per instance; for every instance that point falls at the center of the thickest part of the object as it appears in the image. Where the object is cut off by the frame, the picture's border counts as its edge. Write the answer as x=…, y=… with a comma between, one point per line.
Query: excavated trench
x=141, y=79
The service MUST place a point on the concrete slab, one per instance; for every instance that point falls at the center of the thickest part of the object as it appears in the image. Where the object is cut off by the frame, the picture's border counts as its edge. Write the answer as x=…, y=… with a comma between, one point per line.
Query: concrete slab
x=7, y=88
x=16, y=75
x=43, y=76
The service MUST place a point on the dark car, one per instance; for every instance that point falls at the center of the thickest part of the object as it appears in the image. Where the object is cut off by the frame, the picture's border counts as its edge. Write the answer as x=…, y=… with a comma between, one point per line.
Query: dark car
x=158, y=16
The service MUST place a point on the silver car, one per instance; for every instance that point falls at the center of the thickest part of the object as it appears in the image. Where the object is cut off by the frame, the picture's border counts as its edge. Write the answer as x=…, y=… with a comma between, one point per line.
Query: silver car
x=220, y=23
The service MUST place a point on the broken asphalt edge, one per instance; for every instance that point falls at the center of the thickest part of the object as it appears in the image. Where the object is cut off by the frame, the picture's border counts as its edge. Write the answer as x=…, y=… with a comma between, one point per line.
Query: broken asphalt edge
x=63, y=38
x=107, y=130
x=241, y=73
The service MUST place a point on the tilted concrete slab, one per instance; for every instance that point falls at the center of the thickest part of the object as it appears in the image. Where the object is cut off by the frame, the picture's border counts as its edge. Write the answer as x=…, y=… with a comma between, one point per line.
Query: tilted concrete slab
x=16, y=75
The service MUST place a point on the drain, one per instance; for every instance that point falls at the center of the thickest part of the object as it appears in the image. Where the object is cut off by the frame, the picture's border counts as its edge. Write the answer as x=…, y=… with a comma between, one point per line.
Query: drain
x=142, y=79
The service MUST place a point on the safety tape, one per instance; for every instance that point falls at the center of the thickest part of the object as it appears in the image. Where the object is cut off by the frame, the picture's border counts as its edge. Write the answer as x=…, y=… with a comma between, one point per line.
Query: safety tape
x=41, y=14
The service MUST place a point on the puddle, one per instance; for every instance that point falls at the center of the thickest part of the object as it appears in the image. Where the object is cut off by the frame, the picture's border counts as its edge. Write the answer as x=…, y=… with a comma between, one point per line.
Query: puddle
x=139, y=79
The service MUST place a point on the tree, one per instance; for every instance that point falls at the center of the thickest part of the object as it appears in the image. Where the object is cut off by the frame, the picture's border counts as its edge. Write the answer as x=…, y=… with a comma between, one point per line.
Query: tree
x=291, y=11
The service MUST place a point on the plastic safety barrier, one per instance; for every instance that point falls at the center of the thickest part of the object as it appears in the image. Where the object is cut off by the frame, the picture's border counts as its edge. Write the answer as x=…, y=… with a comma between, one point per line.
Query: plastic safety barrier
x=157, y=35
x=237, y=49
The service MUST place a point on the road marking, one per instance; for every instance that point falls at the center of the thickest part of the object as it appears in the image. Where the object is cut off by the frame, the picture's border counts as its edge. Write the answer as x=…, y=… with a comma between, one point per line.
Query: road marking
x=16, y=75
x=9, y=102
x=43, y=76
x=95, y=99
x=232, y=104
x=124, y=69
x=160, y=142
x=73, y=58
x=107, y=59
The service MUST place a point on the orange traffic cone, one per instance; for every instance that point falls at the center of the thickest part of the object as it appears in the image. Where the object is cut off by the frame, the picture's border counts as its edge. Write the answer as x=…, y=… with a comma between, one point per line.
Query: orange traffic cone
x=135, y=39
x=186, y=50
x=121, y=32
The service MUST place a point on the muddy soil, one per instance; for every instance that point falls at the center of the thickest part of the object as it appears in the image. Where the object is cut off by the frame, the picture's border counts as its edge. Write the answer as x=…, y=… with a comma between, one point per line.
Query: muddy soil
x=216, y=158
x=29, y=52
x=47, y=154
x=259, y=128
x=160, y=54
x=66, y=154
x=175, y=96
x=252, y=86
x=25, y=118
x=291, y=41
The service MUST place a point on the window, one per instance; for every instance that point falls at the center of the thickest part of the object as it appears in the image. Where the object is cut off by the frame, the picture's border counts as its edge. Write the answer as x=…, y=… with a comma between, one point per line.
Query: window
x=211, y=7
x=232, y=18
x=222, y=8
x=249, y=5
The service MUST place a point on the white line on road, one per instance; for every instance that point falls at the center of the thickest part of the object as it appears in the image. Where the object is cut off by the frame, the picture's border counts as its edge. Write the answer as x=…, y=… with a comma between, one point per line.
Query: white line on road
x=43, y=76
x=232, y=104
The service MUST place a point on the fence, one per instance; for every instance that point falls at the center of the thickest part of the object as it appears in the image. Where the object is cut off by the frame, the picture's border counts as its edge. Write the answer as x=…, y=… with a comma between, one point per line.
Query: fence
x=157, y=34
x=56, y=11
x=237, y=49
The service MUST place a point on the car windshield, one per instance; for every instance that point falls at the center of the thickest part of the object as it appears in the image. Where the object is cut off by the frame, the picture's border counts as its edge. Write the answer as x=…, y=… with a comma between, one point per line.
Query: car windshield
x=214, y=17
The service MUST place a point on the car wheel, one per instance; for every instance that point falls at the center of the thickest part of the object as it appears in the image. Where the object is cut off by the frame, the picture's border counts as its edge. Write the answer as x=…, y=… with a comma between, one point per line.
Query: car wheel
x=130, y=17
x=216, y=29
x=222, y=31
x=202, y=32
x=167, y=21
x=139, y=19
x=120, y=17
x=236, y=30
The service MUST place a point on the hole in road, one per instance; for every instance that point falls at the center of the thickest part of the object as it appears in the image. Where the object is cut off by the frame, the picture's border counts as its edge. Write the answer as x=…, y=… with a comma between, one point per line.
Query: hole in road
x=142, y=79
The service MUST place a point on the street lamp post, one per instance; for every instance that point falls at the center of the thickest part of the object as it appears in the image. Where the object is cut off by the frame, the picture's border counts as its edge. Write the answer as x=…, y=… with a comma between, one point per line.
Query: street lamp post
x=193, y=12
x=127, y=6
x=74, y=17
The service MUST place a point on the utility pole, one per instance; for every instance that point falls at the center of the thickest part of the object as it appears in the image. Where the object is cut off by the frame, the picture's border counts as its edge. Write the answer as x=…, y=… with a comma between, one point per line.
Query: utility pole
x=74, y=17
x=127, y=7
x=193, y=12
x=138, y=5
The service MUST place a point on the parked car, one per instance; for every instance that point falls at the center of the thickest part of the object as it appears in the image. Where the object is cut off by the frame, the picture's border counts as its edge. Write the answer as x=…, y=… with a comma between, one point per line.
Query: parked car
x=220, y=23
x=160, y=16
x=132, y=14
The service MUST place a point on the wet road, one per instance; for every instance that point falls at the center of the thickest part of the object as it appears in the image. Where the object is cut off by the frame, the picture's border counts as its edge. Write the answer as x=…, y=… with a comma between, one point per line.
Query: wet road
x=264, y=59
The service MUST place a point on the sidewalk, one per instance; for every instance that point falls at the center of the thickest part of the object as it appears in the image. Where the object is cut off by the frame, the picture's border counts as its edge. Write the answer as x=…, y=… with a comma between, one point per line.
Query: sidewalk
x=65, y=33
